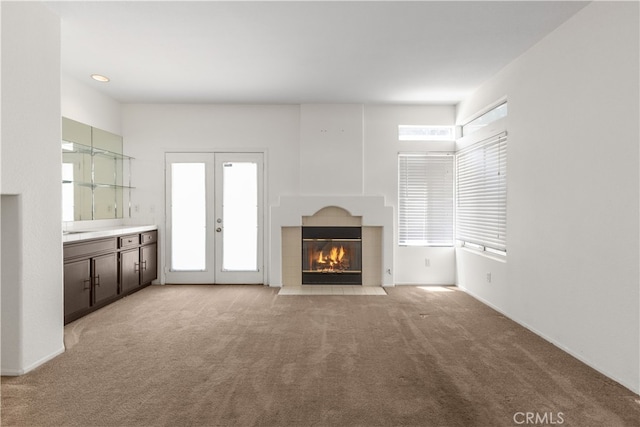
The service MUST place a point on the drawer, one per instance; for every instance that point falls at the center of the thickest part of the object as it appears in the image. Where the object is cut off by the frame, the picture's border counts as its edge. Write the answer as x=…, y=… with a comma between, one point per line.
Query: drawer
x=88, y=248
x=148, y=237
x=132, y=240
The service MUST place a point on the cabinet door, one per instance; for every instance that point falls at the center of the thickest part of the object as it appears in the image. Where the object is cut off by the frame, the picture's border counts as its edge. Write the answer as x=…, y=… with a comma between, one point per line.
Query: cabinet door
x=77, y=288
x=105, y=277
x=129, y=269
x=148, y=257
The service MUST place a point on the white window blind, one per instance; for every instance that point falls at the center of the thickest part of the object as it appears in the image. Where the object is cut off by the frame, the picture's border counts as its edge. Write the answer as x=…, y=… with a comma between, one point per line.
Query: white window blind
x=425, y=200
x=482, y=194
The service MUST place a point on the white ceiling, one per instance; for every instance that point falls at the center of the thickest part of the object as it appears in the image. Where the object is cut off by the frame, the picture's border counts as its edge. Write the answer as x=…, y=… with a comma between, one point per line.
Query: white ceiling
x=299, y=52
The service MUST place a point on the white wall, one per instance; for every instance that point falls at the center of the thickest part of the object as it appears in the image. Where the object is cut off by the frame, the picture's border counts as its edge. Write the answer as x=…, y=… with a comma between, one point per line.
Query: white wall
x=300, y=143
x=82, y=102
x=331, y=149
x=573, y=191
x=381, y=148
x=31, y=177
x=151, y=130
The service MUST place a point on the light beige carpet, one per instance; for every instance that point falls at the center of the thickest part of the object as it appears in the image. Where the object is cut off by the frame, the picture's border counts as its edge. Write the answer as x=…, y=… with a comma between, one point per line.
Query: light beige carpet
x=244, y=356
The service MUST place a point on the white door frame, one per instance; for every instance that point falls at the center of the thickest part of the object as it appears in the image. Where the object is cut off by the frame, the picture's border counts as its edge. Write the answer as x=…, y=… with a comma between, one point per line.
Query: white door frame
x=208, y=276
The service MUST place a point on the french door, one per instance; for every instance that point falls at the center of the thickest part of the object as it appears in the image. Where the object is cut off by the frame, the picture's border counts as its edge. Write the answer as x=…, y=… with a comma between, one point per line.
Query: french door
x=214, y=217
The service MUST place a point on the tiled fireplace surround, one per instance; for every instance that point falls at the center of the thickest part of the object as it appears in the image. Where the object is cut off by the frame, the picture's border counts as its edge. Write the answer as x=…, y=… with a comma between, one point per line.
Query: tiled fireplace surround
x=369, y=212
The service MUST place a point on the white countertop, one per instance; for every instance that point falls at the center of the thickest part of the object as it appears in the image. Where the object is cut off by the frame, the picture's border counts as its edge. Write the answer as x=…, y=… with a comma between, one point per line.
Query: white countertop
x=98, y=232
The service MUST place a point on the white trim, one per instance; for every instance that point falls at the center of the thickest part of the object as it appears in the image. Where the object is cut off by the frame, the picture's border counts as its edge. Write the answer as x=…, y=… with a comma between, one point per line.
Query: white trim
x=435, y=285
x=31, y=367
x=494, y=257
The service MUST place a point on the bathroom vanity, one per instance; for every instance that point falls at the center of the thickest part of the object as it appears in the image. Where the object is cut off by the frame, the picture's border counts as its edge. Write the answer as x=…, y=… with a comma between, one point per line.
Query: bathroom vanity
x=102, y=266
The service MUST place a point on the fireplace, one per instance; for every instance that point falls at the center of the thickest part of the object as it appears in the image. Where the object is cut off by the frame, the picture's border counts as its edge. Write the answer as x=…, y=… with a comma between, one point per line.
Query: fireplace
x=332, y=255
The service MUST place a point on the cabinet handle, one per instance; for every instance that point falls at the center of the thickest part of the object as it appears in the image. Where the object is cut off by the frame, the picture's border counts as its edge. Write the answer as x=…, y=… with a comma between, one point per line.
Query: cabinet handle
x=96, y=280
x=86, y=284
x=136, y=267
x=144, y=265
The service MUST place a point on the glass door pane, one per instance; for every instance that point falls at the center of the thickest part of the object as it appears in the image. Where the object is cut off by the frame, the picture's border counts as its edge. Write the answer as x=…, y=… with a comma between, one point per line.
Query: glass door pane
x=240, y=213
x=188, y=217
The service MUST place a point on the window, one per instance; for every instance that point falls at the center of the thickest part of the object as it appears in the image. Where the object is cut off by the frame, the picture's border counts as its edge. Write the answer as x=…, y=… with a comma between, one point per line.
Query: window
x=481, y=185
x=425, y=133
x=425, y=200
x=489, y=117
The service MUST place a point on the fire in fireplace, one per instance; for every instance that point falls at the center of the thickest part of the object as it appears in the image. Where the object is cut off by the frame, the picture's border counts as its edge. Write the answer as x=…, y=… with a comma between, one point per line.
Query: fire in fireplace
x=332, y=255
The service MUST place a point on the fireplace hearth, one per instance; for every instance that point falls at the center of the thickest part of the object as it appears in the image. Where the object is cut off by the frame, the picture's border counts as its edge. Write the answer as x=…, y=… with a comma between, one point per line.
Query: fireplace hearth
x=332, y=255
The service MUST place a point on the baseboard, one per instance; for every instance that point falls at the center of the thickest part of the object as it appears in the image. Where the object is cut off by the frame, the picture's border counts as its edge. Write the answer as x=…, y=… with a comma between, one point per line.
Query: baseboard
x=424, y=284
x=631, y=387
x=11, y=373
x=27, y=369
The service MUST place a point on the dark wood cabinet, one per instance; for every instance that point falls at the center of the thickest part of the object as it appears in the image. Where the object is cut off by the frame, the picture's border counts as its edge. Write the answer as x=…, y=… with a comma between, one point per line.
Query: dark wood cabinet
x=148, y=263
x=89, y=283
x=105, y=278
x=138, y=267
x=77, y=288
x=129, y=269
x=100, y=271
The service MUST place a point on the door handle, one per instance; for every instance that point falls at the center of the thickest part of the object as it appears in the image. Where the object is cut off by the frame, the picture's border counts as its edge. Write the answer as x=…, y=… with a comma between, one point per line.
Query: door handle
x=219, y=229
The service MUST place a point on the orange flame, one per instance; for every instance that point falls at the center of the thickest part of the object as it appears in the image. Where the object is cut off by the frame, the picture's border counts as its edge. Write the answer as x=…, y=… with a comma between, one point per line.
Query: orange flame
x=336, y=255
x=335, y=258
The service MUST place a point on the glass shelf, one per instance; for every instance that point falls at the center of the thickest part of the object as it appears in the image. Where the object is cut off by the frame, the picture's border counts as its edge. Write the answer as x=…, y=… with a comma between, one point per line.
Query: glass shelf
x=96, y=176
x=69, y=147
x=97, y=185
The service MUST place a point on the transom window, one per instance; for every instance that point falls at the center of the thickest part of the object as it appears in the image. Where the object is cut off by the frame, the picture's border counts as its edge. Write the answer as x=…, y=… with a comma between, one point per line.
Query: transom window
x=489, y=117
x=426, y=133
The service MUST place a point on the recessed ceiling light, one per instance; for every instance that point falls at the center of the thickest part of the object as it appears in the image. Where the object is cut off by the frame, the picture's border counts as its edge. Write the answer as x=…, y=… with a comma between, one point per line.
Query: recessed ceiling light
x=100, y=78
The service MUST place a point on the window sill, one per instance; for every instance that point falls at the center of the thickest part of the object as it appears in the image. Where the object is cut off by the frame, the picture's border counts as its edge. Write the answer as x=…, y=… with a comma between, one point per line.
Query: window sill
x=492, y=256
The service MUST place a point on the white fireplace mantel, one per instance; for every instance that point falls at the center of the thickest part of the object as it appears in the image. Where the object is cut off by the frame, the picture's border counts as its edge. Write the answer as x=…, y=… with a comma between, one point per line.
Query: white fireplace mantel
x=291, y=209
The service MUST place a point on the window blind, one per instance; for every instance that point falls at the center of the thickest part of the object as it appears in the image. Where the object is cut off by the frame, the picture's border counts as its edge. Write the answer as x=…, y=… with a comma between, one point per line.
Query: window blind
x=425, y=200
x=481, y=188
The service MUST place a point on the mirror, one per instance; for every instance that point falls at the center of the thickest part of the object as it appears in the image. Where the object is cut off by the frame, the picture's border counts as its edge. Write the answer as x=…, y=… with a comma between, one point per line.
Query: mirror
x=95, y=174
